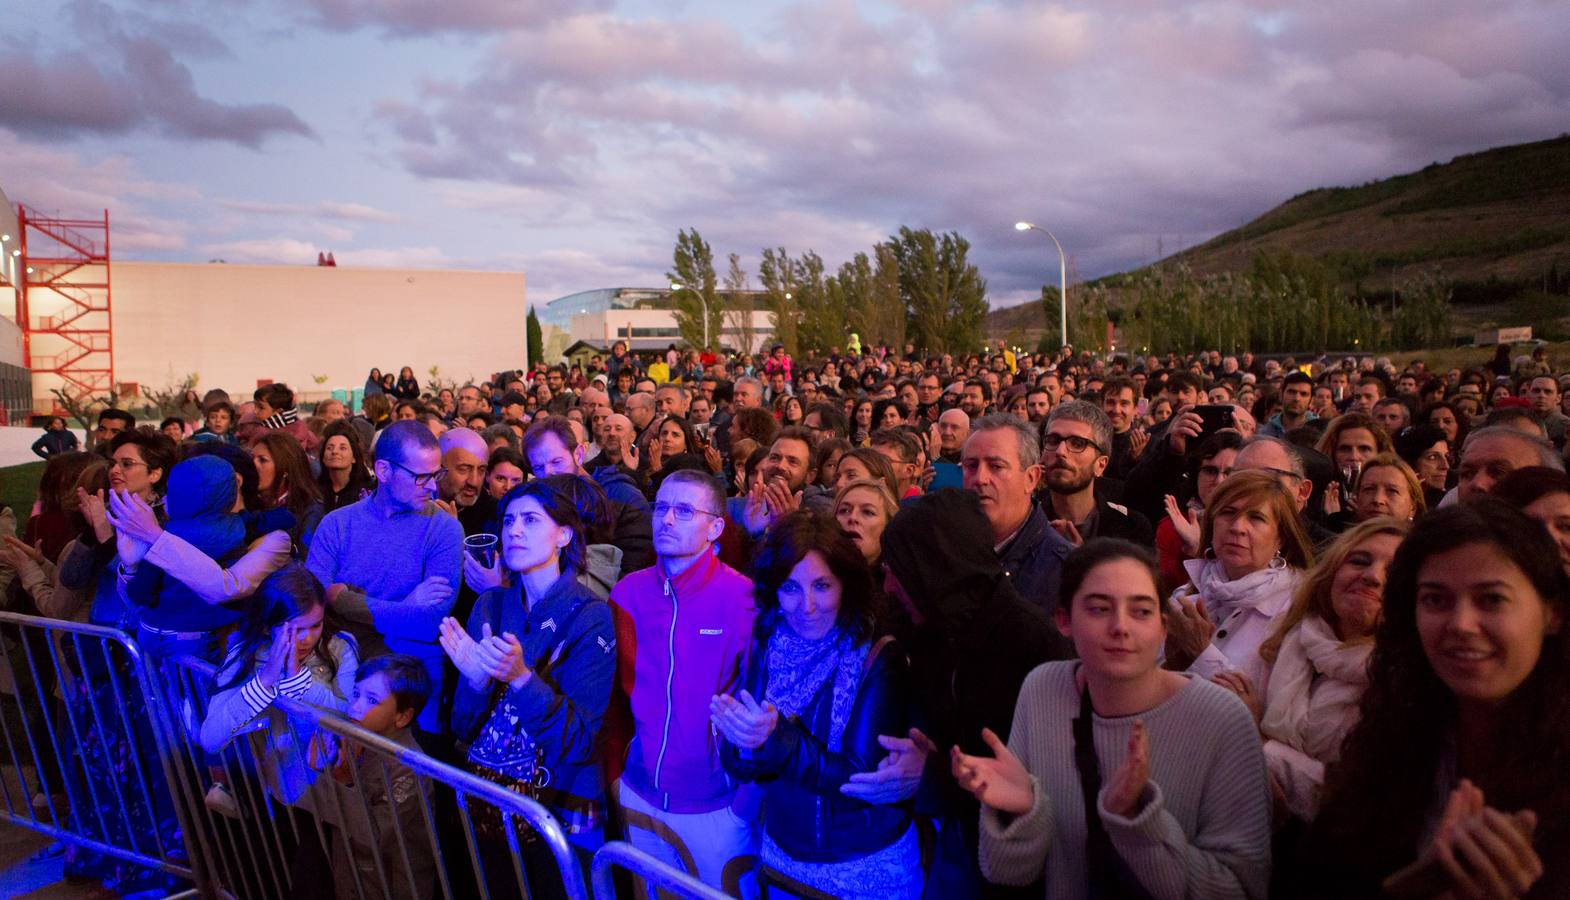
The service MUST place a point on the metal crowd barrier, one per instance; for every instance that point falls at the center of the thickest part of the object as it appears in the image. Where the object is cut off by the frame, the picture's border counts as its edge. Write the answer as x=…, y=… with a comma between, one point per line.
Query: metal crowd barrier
x=657, y=874
x=91, y=768
x=105, y=757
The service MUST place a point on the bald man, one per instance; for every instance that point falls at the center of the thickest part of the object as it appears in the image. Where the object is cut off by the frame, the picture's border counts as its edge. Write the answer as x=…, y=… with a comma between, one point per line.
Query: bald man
x=462, y=492
x=953, y=428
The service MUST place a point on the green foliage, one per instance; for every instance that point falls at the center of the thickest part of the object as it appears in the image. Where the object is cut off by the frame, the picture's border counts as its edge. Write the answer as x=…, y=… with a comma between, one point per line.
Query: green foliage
x=777, y=272
x=822, y=311
x=945, y=294
x=1284, y=303
x=693, y=269
x=738, y=308
x=870, y=294
x=1053, y=310
x=534, y=341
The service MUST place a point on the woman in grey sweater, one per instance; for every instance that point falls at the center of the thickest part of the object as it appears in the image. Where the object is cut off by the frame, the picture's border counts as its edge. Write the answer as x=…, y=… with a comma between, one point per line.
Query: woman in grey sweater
x=1179, y=804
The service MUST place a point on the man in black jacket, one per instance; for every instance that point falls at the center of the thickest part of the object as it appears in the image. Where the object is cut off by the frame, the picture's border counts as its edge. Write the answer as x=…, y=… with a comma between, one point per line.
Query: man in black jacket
x=971, y=642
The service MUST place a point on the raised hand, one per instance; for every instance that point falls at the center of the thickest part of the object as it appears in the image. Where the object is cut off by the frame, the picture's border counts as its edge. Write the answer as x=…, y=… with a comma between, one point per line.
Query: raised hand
x=1068, y=530
x=1186, y=524
x=480, y=577
x=464, y=651
x=1186, y=424
x=130, y=515
x=713, y=459
x=279, y=652
x=502, y=657
x=1486, y=853
x=1128, y=782
x=1138, y=440
x=742, y=720
x=15, y=553
x=1189, y=632
x=93, y=509
x=898, y=775
x=1001, y=782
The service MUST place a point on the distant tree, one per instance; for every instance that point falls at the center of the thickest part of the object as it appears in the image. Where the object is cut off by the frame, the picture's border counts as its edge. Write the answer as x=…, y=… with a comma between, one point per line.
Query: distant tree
x=822, y=311
x=738, y=307
x=693, y=269
x=777, y=272
x=945, y=294
x=868, y=291
x=534, y=342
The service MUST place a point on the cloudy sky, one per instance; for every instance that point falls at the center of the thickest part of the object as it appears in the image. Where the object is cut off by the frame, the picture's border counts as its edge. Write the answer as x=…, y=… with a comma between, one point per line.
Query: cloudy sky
x=570, y=140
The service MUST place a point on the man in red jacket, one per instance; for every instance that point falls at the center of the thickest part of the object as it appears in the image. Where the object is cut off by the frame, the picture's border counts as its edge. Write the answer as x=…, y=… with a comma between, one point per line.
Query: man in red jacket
x=688, y=606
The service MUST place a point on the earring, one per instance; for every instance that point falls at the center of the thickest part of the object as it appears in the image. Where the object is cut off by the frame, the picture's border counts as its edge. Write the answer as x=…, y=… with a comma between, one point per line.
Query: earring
x=1278, y=561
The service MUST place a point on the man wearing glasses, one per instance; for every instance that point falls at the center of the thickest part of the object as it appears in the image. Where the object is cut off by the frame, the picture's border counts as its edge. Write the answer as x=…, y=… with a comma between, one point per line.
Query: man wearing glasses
x=1074, y=457
x=692, y=607
x=392, y=561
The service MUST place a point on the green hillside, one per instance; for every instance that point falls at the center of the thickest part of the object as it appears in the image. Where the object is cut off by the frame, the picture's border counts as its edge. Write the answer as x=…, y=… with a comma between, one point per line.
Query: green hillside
x=1496, y=224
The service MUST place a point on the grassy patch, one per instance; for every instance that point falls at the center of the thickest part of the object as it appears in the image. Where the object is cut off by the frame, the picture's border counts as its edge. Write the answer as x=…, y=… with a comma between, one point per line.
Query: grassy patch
x=19, y=487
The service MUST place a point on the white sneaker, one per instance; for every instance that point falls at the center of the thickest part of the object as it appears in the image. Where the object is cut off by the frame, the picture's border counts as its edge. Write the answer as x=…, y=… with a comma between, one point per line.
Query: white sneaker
x=220, y=801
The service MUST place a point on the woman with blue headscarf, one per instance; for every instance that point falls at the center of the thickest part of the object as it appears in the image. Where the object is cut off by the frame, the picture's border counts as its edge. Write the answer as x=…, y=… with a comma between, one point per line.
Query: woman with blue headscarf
x=175, y=619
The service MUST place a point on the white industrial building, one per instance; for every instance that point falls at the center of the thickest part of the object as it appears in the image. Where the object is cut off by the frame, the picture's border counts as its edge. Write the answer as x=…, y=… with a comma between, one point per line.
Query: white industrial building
x=643, y=317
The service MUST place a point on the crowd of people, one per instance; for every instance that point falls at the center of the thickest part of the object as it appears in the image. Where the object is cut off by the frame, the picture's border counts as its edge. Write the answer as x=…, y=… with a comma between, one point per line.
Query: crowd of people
x=895, y=624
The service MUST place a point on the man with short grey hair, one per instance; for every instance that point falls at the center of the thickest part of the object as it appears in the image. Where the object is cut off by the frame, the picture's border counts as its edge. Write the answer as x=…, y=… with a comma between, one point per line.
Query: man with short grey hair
x=1491, y=453
x=1000, y=465
x=748, y=393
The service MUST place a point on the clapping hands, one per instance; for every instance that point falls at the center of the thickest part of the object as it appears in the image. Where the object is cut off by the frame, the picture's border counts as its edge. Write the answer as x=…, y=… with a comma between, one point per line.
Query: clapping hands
x=742, y=720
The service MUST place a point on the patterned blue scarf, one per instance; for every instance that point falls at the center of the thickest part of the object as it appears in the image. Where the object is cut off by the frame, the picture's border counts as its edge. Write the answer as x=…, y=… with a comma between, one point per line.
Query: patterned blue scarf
x=799, y=669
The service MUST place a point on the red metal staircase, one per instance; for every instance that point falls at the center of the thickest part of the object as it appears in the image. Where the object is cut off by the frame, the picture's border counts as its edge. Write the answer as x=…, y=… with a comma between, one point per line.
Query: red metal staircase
x=64, y=307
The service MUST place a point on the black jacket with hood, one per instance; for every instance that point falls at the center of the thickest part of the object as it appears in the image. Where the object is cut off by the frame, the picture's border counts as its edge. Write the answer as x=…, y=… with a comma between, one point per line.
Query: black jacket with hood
x=976, y=642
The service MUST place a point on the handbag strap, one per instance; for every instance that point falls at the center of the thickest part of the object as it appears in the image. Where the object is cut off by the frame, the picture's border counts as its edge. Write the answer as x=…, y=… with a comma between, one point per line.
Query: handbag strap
x=1099, y=853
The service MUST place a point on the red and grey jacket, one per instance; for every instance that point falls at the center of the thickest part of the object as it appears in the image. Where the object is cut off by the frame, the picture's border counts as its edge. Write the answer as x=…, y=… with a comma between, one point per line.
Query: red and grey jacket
x=679, y=642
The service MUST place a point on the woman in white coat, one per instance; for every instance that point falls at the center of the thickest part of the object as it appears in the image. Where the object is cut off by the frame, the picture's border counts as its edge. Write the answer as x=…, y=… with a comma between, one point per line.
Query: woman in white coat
x=1318, y=659
x=1254, y=553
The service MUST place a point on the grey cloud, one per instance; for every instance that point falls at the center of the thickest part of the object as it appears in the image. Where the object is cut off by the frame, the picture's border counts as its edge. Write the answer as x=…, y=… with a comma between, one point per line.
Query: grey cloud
x=131, y=82
x=1127, y=125
x=417, y=17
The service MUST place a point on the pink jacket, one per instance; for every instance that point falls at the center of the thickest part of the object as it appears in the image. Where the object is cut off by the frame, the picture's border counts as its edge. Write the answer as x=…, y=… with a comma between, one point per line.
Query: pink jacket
x=703, y=618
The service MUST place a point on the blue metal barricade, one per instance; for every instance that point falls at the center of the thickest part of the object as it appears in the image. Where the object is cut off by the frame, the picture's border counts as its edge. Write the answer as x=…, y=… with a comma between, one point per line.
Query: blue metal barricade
x=668, y=880
x=107, y=754
x=82, y=734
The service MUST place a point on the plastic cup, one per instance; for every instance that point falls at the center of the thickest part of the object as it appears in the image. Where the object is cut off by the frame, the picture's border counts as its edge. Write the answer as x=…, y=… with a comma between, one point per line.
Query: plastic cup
x=482, y=547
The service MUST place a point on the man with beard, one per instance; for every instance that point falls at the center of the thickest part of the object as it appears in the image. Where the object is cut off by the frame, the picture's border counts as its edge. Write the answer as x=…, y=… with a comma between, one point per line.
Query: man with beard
x=1073, y=448
x=1297, y=393
x=1001, y=466
x=975, y=398
x=463, y=492
x=788, y=472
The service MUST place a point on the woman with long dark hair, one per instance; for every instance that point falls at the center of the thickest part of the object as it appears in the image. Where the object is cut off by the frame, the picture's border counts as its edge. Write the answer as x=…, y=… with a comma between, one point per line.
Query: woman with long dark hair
x=407, y=386
x=816, y=695
x=373, y=382
x=285, y=482
x=1455, y=773
x=346, y=476
x=289, y=644
x=536, y=662
x=1121, y=778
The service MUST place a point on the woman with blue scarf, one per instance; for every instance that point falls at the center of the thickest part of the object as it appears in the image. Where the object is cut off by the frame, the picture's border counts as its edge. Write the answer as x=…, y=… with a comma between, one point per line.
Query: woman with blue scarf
x=175, y=620
x=818, y=693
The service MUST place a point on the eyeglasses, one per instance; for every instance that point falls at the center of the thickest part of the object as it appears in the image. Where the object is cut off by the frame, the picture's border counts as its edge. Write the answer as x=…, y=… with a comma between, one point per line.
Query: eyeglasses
x=126, y=463
x=684, y=511
x=1279, y=473
x=1075, y=443
x=421, y=479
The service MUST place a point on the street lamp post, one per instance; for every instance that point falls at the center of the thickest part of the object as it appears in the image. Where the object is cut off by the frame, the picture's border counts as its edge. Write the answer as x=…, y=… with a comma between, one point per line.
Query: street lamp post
x=678, y=286
x=1062, y=277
